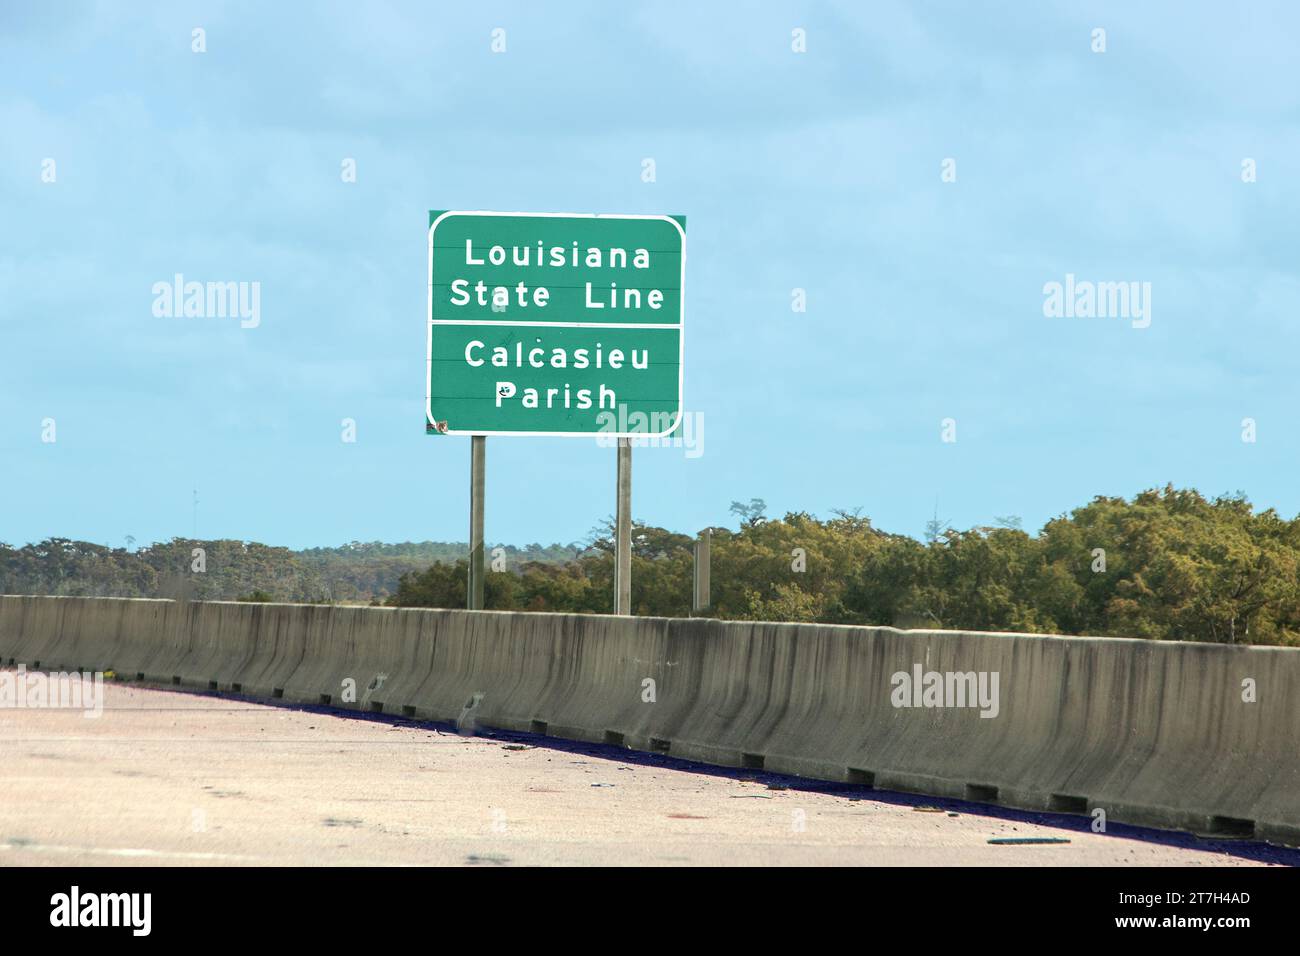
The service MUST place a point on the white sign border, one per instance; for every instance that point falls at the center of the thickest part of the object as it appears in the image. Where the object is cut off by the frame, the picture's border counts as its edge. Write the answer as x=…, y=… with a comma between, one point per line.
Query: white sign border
x=680, y=326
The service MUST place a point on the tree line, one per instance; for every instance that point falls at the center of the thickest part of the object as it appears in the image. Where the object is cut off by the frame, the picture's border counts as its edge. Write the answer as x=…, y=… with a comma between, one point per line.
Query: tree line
x=227, y=570
x=1168, y=564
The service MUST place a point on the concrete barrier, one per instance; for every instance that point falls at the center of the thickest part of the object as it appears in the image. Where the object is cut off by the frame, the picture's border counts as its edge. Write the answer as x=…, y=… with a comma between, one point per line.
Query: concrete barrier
x=1154, y=733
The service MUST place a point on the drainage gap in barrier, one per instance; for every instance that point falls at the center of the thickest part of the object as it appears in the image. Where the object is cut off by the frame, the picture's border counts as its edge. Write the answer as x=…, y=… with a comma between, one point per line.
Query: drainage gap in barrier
x=175, y=679
x=139, y=675
x=981, y=793
x=1233, y=828
x=277, y=692
x=751, y=761
x=659, y=745
x=325, y=699
x=408, y=711
x=11, y=662
x=537, y=727
x=212, y=685
x=861, y=778
x=376, y=707
x=1064, y=803
x=36, y=665
x=237, y=688
x=613, y=738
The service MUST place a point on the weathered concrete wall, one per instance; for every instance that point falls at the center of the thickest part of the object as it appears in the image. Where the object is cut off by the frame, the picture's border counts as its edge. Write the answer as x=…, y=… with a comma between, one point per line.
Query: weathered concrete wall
x=1154, y=733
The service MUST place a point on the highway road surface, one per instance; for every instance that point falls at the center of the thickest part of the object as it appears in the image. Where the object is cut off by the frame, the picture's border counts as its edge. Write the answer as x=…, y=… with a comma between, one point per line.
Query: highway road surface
x=168, y=778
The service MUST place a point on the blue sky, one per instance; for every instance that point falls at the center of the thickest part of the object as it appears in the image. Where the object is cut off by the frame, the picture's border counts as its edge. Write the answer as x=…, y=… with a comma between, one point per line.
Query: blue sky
x=819, y=171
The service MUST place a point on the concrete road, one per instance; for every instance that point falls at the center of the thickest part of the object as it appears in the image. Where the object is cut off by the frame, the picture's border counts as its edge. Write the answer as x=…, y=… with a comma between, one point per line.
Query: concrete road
x=167, y=778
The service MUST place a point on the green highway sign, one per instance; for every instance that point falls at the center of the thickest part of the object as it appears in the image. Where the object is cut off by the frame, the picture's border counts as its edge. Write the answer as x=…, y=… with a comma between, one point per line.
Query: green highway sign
x=555, y=324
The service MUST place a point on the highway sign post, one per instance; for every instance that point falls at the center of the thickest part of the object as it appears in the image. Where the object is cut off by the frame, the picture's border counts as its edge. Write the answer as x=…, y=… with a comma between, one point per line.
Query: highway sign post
x=477, y=477
x=703, y=557
x=563, y=324
x=623, y=530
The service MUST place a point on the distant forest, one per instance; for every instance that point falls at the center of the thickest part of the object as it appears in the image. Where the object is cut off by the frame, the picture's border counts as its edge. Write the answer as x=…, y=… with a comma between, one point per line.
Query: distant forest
x=1169, y=564
x=362, y=572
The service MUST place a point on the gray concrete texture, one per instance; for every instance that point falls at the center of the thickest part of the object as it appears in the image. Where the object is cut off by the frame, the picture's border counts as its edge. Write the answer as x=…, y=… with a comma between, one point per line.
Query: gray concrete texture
x=196, y=779
x=1154, y=733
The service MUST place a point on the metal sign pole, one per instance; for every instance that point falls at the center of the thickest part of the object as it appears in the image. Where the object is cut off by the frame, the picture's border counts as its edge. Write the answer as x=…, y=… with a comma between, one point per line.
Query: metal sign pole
x=477, y=460
x=623, y=531
x=700, y=600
